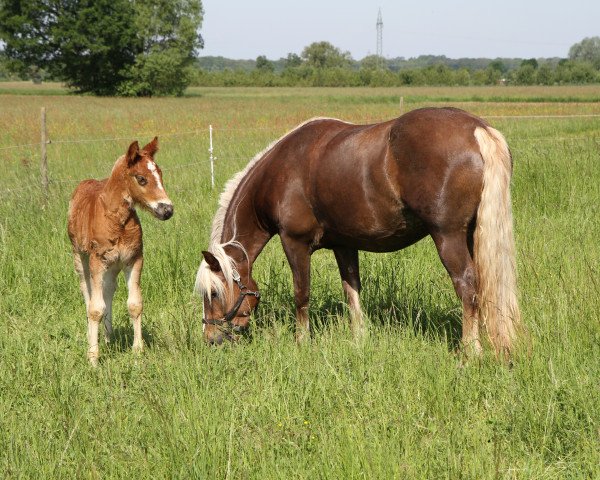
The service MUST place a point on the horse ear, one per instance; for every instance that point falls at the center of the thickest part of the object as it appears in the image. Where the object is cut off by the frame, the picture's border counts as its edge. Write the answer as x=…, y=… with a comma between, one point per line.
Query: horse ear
x=133, y=154
x=152, y=147
x=212, y=261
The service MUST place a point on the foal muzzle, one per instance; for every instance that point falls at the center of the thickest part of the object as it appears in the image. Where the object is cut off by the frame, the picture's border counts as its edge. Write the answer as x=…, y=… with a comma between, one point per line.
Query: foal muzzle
x=163, y=211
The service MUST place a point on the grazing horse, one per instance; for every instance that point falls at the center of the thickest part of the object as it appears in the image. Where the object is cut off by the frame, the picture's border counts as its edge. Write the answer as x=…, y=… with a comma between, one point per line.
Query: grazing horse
x=382, y=187
x=106, y=235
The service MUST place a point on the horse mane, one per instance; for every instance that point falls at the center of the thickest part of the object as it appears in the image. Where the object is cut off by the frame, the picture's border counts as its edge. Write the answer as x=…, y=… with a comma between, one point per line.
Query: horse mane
x=208, y=281
x=117, y=163
x=234, y=182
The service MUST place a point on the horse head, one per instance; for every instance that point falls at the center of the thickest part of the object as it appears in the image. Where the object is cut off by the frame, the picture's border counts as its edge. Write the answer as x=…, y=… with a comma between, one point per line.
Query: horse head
x=144, y=180
x=229, y=295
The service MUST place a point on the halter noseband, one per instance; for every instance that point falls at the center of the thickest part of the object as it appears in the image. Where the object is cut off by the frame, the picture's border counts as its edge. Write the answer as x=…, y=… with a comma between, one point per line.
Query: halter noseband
x=225, y=321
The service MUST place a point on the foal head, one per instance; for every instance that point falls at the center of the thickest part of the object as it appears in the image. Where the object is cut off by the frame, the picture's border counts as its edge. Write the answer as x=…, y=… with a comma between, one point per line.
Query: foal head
x=143, y=180
x=229, y=296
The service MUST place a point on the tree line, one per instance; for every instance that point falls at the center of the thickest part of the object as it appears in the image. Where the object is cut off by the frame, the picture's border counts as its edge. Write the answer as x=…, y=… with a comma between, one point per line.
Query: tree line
x=151, y=47
x=323, y=65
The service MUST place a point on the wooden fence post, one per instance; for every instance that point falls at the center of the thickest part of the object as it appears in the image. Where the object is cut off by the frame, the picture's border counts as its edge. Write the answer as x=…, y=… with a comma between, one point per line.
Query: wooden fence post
x=44, y=157
x=212, y=158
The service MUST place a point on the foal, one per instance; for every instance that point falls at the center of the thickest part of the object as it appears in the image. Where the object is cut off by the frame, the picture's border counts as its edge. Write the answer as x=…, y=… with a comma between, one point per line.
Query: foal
x=106, y=235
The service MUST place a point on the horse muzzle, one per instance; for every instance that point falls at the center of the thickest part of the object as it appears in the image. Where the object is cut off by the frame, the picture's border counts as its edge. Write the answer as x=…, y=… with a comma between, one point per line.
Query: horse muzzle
x=163, y=211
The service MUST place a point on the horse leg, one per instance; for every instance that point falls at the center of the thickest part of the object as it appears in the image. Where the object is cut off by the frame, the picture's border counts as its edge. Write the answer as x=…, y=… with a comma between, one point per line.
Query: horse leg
x=108, y=291
x=454, y=252
x=82, y=267
x=347, y=261
x=96, y=307
x=298, y=256
x=133, y=274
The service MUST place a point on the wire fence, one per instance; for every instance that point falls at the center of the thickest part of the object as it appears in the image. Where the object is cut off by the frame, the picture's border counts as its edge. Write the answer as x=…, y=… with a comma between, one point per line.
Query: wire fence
x=207, y=135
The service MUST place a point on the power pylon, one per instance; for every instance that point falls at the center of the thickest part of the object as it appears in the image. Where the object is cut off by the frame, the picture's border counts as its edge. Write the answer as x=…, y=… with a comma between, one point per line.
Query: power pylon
x=379, y=38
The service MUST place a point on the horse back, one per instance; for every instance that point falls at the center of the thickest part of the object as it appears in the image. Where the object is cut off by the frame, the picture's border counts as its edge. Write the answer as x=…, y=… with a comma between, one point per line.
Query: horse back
x=377, y=187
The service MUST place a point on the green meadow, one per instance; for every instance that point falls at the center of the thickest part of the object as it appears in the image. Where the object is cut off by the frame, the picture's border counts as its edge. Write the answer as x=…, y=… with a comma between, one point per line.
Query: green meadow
x=402, y=404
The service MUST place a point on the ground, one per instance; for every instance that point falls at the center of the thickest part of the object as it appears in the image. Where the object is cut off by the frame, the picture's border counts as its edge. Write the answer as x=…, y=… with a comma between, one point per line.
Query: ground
x=403, y=404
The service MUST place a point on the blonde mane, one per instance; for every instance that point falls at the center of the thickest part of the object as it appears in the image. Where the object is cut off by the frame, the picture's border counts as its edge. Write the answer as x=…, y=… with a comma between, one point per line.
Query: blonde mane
x=208, y=281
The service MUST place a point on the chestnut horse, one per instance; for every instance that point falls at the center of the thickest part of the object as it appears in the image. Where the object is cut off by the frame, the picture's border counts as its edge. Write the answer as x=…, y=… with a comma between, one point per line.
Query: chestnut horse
x=380, y=188
x=106, y=235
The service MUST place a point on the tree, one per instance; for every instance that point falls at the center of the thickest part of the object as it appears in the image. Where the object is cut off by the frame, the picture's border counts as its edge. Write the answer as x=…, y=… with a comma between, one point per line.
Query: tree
x=498, y=65
x=85, y=42
x=530, y=61
x=325, y=55
x=372, y=62
x=168, y=30
x=588, y=50
x=545, y=75
x=292, y=60
x=105, y=47
x=263, y=64
x=525, y=74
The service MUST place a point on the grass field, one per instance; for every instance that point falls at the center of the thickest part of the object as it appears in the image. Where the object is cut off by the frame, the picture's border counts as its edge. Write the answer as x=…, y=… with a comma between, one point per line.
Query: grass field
x=401, y=405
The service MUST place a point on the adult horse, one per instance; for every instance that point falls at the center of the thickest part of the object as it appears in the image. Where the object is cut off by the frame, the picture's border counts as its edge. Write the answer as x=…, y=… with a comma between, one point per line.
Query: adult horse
x=382, y=187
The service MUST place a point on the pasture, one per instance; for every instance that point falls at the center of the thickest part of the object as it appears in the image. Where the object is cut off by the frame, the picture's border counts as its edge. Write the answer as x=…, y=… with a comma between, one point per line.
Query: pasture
x=402, y=404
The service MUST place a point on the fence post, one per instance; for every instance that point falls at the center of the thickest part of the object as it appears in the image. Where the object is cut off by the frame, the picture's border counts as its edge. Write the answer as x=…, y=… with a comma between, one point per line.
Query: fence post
x=212, y=159
x=44, y=157
x=401, y=105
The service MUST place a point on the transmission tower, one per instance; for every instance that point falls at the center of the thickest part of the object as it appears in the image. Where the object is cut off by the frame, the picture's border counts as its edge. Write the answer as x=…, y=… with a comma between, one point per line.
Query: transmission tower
x=379, y=38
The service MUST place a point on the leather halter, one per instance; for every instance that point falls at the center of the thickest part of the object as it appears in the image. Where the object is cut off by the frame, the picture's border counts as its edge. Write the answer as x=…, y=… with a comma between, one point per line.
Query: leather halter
x=225, y=321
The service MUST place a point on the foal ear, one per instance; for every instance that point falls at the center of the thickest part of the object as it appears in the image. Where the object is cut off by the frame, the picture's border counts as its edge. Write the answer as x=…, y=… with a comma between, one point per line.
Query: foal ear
x=212, y=261
x=152, y=147
x=133, y=154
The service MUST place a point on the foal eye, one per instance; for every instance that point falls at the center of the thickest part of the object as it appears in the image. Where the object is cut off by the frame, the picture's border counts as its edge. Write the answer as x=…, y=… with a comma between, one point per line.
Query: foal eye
x=141, y=180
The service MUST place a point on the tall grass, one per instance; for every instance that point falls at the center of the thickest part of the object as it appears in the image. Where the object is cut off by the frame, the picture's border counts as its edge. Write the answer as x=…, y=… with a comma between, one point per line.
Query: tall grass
x=400, y=405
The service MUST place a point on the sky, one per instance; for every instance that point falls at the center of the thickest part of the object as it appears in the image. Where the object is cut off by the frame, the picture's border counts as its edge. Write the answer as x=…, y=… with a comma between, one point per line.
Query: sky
x=244, y=29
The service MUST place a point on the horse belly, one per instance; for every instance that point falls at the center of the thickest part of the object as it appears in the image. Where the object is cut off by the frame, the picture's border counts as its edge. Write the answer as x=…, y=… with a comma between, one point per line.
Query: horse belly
x=385, y=230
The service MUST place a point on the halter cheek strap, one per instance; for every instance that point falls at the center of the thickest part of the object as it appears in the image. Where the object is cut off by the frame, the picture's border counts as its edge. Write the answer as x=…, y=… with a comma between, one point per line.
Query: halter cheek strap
x=225, y=321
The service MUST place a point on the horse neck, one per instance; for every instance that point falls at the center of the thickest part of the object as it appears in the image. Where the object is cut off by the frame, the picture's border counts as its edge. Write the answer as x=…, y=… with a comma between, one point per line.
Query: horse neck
x=241, y=226
x=115, y=197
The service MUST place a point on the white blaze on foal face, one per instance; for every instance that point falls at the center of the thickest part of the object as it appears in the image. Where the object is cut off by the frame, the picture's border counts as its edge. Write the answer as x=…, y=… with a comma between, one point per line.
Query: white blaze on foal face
x=163, y=201
x=154, y=171
x=148, y=189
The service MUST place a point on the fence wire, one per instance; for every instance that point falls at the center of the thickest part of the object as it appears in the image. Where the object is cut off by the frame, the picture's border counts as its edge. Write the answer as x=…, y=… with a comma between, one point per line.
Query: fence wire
x=517, y=143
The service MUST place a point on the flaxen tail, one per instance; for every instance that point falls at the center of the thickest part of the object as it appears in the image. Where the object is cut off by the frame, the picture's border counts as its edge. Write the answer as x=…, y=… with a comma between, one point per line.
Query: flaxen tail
x=494, y=245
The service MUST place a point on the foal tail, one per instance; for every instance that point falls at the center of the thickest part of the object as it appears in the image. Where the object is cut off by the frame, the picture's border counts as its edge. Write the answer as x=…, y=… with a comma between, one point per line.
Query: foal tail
x=494, y=245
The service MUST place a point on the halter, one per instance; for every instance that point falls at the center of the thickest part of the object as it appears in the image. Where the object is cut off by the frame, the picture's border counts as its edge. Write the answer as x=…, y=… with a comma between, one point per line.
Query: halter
x=225, y=321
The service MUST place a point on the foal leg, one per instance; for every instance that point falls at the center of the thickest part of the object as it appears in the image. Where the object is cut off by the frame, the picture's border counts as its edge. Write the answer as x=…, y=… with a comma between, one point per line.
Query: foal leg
x=82, y=267
x=133, y=274
x=96, y=307
x=454, y=252
x=298, y=256
x=347, y=260
x=108, y=291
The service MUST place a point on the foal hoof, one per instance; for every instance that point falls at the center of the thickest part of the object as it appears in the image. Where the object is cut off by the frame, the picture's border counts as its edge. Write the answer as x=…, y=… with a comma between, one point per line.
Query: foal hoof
x=473, y=349
x=359, y=332
x=302, y=336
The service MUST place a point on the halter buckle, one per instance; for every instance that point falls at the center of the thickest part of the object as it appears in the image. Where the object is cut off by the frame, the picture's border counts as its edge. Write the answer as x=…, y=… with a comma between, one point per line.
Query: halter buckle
x=235, y=275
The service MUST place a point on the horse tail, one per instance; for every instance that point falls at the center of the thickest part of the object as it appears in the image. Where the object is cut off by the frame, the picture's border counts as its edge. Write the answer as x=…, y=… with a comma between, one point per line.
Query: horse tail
x=494, y=245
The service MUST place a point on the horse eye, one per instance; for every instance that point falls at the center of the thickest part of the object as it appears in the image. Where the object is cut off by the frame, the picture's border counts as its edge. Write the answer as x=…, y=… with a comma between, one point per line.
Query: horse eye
x=213, y=295
x=141, y=180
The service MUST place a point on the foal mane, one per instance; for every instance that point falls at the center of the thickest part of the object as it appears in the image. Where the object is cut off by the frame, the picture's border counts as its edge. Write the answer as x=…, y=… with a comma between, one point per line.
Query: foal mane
x=206, y=280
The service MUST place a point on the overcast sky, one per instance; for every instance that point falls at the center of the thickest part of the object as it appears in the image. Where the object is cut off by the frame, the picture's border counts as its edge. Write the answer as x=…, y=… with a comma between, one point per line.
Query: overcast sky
x=245, y=29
